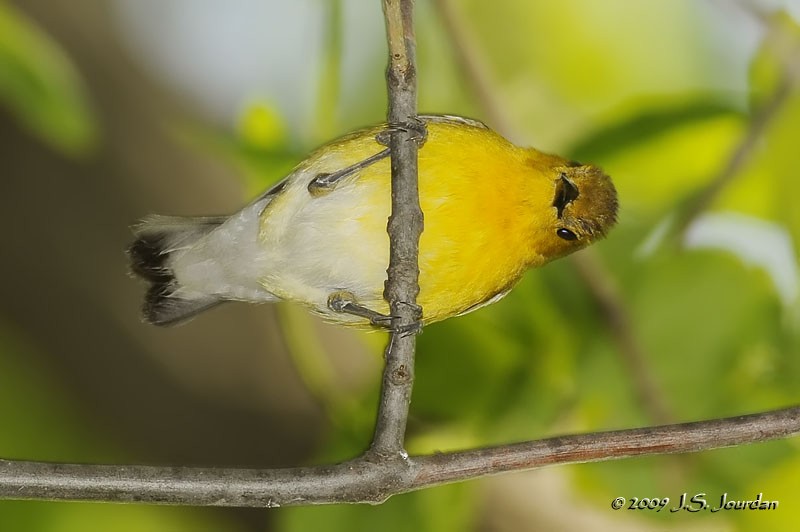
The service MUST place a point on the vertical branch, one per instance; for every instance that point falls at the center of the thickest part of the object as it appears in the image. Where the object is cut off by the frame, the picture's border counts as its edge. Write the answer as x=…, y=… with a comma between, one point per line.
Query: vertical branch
x=405, y=227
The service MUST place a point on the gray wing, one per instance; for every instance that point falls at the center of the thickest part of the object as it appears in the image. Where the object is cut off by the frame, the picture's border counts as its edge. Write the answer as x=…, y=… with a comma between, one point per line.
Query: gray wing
x=453, y=119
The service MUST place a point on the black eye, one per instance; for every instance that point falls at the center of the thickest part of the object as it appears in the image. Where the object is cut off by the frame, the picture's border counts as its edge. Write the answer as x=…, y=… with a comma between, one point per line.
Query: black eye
x=566, y=234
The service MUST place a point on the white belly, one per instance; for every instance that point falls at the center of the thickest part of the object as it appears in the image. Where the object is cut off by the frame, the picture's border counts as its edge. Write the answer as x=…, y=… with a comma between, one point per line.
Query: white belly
x=314, y=246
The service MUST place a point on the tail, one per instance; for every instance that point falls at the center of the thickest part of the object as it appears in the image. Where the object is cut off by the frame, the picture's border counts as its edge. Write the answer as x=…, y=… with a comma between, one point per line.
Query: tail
x=157, y=238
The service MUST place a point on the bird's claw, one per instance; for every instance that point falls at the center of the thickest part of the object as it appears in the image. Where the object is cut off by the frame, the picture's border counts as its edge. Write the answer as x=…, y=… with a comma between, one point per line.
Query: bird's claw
x=414, y=125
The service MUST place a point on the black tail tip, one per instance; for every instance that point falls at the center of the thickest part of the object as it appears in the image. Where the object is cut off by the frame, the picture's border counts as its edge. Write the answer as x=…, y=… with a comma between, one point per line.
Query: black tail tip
x=148, y=258
x=165, y=303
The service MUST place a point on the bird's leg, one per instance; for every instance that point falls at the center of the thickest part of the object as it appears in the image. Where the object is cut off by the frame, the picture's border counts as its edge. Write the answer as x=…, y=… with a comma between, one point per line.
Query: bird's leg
x=343, y=301
x=325, y=182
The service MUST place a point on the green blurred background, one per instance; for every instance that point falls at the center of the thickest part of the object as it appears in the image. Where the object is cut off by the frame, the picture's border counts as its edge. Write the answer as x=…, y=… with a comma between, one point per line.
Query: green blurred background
x=110, y=110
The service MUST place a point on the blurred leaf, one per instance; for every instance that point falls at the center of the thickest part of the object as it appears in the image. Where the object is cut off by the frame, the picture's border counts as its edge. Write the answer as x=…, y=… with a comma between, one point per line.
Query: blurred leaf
x=723, y=310
x=646, y=125
x=39, y=83
x=755, y=242
x=660, y=155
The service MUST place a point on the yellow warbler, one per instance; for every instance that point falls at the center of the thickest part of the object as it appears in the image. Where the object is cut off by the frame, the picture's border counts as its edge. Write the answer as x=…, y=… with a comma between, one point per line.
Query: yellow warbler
x=491, y=210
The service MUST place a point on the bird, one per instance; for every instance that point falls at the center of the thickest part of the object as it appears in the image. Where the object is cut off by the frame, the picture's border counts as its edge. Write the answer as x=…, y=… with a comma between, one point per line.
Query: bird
x=492, y=210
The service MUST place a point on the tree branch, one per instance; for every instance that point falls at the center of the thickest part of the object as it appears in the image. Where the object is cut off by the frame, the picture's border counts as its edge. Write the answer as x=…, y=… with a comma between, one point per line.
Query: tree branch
x=366, y=481
x=405, y=227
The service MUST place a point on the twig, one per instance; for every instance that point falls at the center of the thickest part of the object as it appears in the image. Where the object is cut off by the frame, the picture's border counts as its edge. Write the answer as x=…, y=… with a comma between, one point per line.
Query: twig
x=405, y=227
x=364, y=481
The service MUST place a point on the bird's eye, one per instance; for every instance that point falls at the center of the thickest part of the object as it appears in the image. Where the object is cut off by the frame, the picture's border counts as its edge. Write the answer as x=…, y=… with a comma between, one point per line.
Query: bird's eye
x=566, y=234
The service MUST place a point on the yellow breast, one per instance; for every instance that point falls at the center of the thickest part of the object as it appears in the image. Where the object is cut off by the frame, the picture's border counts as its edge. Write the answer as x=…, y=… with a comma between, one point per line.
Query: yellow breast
x=479, y=195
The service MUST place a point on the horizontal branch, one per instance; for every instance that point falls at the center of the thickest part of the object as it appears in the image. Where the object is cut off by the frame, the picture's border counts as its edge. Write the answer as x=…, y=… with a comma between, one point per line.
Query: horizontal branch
x=365, y=480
